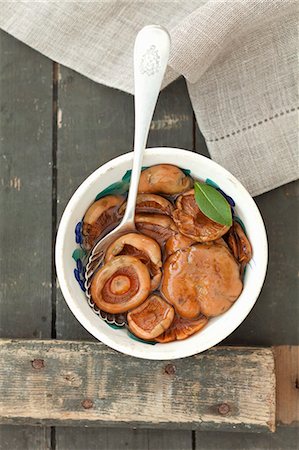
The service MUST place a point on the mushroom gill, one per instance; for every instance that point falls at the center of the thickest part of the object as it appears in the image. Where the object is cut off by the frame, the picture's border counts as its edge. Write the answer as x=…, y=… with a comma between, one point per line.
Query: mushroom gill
x=204, y=279
x=151, y=318
x=150, y=203
x=193, y=223
x=164, y=179
x=101, y=216
x=181, y=329
x=146, y=249
x=121, y=284
x=157, y=226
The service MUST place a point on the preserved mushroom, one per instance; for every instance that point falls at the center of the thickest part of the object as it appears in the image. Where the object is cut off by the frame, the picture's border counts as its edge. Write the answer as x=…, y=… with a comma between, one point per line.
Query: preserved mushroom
x=177, y=242
x=180, y=242
x=181, y=329
x=121, y=284
x=203, y=261
x=193, y=223
x=151, y=318
x=164, y=179
x=201, y=279
x=146, y=249
x=156, y=226
x=100, y=217
x=150, y=203
x=239, y=244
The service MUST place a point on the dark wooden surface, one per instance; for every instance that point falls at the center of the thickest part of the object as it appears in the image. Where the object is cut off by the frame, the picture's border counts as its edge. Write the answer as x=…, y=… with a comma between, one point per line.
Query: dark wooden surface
x=42, y=162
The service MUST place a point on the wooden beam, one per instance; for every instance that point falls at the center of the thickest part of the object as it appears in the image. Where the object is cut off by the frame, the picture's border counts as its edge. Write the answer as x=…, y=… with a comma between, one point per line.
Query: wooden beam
x=287, y=376
x=82, y=383
x=25, y=207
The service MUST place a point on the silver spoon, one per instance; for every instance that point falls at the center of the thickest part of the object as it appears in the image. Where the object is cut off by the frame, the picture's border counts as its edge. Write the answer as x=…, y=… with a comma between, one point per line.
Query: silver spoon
x=151, y=53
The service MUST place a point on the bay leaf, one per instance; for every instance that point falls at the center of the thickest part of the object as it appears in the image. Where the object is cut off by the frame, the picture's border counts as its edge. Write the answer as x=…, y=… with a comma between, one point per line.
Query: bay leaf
x=212, y=204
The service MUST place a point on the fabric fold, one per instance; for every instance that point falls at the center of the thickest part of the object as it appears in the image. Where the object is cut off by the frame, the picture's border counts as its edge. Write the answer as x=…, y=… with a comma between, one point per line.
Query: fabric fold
x=239, y=58
x=214, y=29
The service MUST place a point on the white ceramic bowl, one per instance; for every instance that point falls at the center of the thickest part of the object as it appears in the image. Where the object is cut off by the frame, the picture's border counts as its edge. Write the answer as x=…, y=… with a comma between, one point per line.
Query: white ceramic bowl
x=219, y=327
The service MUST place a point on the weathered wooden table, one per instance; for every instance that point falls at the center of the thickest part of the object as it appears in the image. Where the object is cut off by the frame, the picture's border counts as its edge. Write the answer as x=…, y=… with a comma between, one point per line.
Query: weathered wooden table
x=56, y=128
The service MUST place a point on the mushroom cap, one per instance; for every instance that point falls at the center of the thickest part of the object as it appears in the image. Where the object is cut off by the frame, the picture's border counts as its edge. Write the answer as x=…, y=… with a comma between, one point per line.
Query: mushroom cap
x=151, y=318
x=99, y=217
x=239, y=244
x=150, y=203
x=142, y=247
x=192, y=222
x=164, y=179
x=181, y=329
x=177, y=242
x=121, y=284
x=204, y=278
x=157, y=226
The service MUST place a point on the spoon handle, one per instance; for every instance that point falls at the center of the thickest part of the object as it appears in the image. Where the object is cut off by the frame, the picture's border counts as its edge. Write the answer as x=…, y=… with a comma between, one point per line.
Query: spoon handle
x=151, y=53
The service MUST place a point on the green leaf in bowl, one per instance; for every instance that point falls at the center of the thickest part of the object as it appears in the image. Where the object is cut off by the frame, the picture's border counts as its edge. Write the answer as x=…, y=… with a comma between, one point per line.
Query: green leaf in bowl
x=212, y=204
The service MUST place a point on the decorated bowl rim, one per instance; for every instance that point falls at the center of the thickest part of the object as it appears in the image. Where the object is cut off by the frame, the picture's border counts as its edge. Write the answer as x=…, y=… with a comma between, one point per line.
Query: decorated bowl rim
x=171, y=352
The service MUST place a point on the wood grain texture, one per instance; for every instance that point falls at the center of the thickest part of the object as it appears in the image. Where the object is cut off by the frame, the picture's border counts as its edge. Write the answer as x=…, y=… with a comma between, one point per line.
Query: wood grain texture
x=274, y=318
x=14, y=437
x=200, y=143
x=25, y=207
x=287, y=376
x=278, y=299
x=25, y=190
x=120, y=438
x=96, y=124
x=76, y=383
x=282, y=439
x=172, y=124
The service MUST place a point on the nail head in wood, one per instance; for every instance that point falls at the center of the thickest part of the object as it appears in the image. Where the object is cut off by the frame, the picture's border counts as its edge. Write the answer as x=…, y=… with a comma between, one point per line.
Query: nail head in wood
x=38, y=364
x=87, y=403
x=223, y=409
x=170, y=369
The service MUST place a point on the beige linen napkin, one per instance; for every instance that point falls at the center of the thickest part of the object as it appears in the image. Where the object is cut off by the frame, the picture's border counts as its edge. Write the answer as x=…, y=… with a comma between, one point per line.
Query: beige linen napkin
x=239, y=59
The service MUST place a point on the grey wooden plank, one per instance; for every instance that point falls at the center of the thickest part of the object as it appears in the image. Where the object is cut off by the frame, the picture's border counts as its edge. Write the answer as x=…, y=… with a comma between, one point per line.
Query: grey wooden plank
x=287, y=380
x=25, y=204
x=85, y=383
x=269, y=323
x=13, y=437
x=274, y=318
x=95, y=124
x=200, y=143
x=278, y=299
x=98, y=123
x=26, y=190
x=282, y=439
x=172, y=124
x=173, y=440
x=119, y=438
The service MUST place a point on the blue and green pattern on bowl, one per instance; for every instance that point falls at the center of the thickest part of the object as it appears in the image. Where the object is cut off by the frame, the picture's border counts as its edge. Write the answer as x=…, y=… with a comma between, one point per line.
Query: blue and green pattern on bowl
x=121, y=188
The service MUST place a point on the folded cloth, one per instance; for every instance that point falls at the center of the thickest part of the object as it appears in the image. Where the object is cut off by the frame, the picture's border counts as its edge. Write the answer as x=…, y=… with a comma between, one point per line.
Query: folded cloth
x=239, y=58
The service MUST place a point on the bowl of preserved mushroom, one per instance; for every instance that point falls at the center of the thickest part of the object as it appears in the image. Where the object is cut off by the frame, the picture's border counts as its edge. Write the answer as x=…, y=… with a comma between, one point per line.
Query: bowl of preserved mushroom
x=190, y=273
